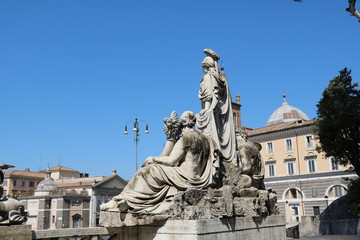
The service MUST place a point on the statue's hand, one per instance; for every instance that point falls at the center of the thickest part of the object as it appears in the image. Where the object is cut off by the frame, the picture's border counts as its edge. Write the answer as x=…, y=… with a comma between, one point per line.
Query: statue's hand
x=109, y=205
x=149, y=160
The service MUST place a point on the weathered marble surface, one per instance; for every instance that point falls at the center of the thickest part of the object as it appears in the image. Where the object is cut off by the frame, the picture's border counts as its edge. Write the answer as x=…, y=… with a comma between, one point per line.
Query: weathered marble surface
x=216, y=116
x=230, y=200
x=260, y=228
x=192, y=163
x=201, y=174
x=15, y=232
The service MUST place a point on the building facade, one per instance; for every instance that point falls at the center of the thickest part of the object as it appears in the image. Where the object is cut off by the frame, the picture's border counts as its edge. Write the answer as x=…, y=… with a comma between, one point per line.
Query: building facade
x=305, y=181
x=20, y=183
x=72, y=200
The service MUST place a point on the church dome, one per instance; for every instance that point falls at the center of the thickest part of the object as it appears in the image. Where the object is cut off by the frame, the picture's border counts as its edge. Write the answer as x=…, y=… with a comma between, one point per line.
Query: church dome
x=46, y=186
x=286, y=113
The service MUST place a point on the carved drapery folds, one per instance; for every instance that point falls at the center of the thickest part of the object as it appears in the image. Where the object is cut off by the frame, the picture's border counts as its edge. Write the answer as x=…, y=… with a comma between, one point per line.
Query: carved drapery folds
x=204, y=171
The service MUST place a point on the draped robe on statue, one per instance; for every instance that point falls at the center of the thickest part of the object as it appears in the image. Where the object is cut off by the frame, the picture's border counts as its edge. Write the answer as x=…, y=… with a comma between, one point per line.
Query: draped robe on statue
x=217, y=121
x=152, y=186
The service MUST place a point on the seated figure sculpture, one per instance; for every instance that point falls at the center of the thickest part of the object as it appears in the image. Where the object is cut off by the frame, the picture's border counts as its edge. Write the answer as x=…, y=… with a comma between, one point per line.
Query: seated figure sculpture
x=250, y=161
x=192, y=162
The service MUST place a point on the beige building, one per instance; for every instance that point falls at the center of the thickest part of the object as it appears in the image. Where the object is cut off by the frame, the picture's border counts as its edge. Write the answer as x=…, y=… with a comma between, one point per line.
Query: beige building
x=61, y=172
x=23, y=183
x=64, y=197
x=305, y=180
x=20, y=183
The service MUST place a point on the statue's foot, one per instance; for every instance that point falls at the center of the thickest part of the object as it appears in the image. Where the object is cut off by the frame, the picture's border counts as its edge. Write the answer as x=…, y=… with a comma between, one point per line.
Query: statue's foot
x=109, y=205
x=123, y=206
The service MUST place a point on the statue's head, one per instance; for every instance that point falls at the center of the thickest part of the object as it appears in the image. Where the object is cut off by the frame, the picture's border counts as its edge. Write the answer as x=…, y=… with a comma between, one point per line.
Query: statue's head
x=208, y=62
x=188, y=119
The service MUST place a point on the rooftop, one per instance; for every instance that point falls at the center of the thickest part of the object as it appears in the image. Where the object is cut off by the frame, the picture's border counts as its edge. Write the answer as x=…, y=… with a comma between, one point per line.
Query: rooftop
x=24, y=174
x=286, y=113
x=60, y=168
x=281, y=127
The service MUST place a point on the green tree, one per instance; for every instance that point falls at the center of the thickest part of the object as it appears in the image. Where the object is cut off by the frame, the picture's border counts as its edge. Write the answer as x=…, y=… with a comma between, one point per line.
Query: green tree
x=338, y=125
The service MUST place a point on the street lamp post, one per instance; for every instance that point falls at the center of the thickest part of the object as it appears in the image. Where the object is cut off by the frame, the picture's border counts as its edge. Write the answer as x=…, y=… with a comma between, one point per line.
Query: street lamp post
x=136, y=130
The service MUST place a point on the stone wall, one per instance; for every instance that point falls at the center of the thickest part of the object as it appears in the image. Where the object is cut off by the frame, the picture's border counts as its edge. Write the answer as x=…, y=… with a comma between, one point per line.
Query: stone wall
x=15, y=232
x=260, y=228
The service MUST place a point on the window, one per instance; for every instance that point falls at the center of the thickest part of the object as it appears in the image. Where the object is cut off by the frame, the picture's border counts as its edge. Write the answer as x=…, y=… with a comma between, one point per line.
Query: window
x=314, y=192
x=338, y=191
x=294, y=211
x=288, y=145
x=75, y=203
x=4, y=183
x=293, y=193
x=290, y=165
x=335, y=165
x=14, y=183
x=271, y=168
x=76, y=220
x=31, y=184
x=270, y=148
x=23, y=183
x=309, y=142
x=316, y=210
x=311, y=163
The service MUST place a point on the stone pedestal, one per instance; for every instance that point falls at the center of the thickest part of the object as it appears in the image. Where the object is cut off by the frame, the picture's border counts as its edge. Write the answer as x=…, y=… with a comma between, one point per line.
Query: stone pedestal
x=15, y=232
x=259, y=228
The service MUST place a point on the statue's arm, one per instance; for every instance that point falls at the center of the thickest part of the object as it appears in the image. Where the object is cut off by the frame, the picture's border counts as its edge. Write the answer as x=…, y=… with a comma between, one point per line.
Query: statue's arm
x=175, y=156
x=169, y=145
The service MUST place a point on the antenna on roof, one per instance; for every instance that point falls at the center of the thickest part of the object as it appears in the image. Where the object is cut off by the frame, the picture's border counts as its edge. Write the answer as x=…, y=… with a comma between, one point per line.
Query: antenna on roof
x=59, y=159
x=40, y=163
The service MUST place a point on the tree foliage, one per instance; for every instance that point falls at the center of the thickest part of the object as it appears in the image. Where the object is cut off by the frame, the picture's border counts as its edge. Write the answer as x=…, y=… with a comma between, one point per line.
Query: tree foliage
x=338, y=125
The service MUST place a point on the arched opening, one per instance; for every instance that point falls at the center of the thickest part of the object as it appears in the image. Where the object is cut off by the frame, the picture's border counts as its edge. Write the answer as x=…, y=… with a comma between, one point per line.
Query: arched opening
x=293, y=204
x=337, y=191
x=76, y=220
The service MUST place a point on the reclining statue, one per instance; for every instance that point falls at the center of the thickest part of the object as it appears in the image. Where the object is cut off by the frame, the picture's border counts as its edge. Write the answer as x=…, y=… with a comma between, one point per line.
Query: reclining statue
x=192, y=162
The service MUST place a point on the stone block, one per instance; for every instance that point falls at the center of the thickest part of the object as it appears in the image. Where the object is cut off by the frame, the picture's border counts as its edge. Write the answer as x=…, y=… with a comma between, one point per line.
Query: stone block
x=250, y=207
x=15, y=232
x=249, y=192
x=262, y=228
x=120, y=219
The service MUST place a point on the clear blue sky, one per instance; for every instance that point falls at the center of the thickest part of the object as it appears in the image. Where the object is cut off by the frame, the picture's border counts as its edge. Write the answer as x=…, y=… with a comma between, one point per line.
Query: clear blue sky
x=72, y=73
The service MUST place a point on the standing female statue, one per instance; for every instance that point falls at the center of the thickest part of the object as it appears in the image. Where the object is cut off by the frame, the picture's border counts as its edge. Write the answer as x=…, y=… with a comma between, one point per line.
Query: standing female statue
x=216, y=117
